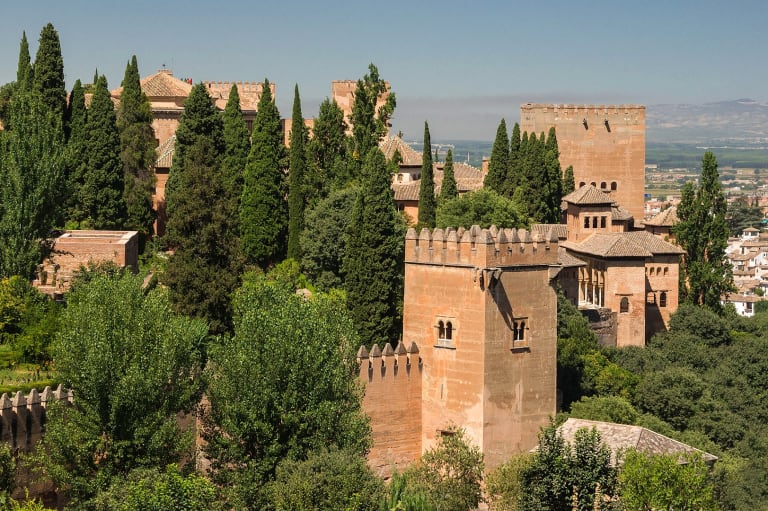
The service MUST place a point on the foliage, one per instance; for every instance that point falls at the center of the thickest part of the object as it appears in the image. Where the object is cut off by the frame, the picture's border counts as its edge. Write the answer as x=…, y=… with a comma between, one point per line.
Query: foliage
x=263, y=212
x=503, y=485
x=134, y=366
x=76, y=157
x=32, y=157
x=373, y=264
x=154, y=489
x=237, y=145
x=369, y=123
x=327, y=479
x=702, y=231
x=671, y=394
x=427, y=200
x=283, y=386
x=702, y=323
x=48, y=74
x=741, y=215
x=324, y=239
x=662, y=482
x=448, y=189
x=7, y=475
x=400, y=497
x=296, y=171
x=483, y=207
x=497, y=167
x=605, y=408
x=450, y=474
x=137, y=151
x=327, y=168
x=569, y=182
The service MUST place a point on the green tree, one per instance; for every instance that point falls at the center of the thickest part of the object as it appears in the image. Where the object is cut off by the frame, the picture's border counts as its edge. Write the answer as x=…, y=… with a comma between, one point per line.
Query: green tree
x=263, y=212
x=237, y=145
x=133, y=366
x=77, y=157
x=24, y=72
x=569, y=182
x=32, y=159
x=100, y=196
x=662, y=482
x=514, y=169
x=296, y=171
x=137, y=151
x=373, y=264
x=427, y=200
x=482, y=207
x=450, y=474
x=327, y=166
x=504, y=484
x=448, y=189
x=702, y=231
x=497, y=168
x=741, y=215
x=48, y=75
x=369, y=123
x=283, y=386
x=554, y=180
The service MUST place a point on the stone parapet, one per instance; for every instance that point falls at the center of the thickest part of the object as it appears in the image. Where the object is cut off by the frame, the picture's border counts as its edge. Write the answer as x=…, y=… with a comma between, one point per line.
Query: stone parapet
x=22, y=418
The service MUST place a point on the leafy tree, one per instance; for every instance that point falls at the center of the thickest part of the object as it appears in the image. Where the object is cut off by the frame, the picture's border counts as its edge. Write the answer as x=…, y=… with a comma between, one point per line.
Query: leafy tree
x=237, y=145
x=402, y=497
x=662, y=482
x=100, y=196
x=482, y=207
x=263, y=212
x=7, y=474
x=450, y=474
x=326, y=154
x=497, y=168
x=48, y=75
x=741, y=215
x=369, y=123
x=327, y=479
x=284, y=386
x=671, y=394
x=133, y=366
x=448, y=189
x=569, y=182
x=373, y=263
x=504, y=484
x=32, y=158
x=324, y=239
x=605, y=408
x=137, y=151
x=296, y=171
x=703, y=233
x=427, y=200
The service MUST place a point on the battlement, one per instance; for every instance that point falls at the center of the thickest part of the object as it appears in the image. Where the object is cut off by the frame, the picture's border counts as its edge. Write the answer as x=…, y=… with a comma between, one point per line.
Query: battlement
x=584, y=111
x=482, y=248
x=22, y=418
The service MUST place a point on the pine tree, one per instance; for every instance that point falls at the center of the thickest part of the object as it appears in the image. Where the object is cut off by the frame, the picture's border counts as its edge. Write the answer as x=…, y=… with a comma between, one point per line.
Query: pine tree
x=77, y=158
x=569, y=182
x=448, y=189
x=373, y=262
x=32, y=157
x=702, y=231
x=24, y=71
x=137, y=151
x=497, y=168
x=296, y=171
x=100, y=196
x=263, y=212
x=237, y=144
x=48, y=75
x=326, y=154
x=427, y=200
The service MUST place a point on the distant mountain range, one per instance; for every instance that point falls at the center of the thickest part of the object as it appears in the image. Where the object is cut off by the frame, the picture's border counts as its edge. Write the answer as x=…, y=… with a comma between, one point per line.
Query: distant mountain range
x=741, y=122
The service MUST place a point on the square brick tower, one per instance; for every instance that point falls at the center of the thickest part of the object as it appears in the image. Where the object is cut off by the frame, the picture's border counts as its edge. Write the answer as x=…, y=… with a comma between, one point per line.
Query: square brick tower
x=480, y=306
x=605, y=145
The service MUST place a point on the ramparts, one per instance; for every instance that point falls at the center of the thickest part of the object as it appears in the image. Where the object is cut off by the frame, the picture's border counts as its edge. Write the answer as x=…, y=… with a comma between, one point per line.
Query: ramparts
x=22, y=418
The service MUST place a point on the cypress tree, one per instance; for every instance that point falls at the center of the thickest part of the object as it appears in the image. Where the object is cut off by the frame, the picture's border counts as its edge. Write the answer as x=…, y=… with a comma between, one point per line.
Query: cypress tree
x=48, y=75
x=24, y=70
x=77, y=158
x=237, y=143
x=448, y=189
x=298, y=163
x=137, y=151
x=100, y=196
x=427, y=200
x=569, y=182
x=326, y=154
x=554, y=178
x=497, y=168
x=373, y=263
x=262, y=207
x=514, y=168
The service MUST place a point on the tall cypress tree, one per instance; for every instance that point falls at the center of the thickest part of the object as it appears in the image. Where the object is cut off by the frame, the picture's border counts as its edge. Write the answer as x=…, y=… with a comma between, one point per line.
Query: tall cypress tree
x=24, y=70
x=373, y=263
x=370, y=124
x=48, y=76
x=554, y=178
x=427, y=200
x=327, y=168
x=101, y=191
x=298, y=163
x=448, y=189
x=514, y=168
x=137, y=151
x=569, y=182
x=497, y=168
x=263, y=212
x=237, y=144
x=77, y=158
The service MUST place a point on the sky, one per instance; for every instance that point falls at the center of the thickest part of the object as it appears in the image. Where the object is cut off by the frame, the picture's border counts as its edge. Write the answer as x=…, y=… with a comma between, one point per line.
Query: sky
x=460, y=65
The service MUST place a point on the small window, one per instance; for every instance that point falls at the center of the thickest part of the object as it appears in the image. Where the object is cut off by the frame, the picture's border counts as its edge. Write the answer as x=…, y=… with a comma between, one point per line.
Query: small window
x=519, y=335
x=449, y=331
x=445, y=331
x=602, y=185
x=666, y=271
x=594, y=222
x=602, y=222
x=440, y=330
x=624, y=305
x=663, y=299
x=593, y=184
x=650, y=298
x=748, y=306
x=582, y=183
x=658, y=270
x=613, y=186
x=586, y=222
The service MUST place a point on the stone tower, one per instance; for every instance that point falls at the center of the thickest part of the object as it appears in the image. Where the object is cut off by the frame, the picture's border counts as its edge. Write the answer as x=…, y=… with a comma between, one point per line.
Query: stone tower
x=605, y=145
x=480, y=306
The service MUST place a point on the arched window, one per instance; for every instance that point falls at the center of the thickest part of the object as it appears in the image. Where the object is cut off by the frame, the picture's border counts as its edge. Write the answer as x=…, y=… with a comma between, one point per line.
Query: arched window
x=658, y=270
x=521, y=334
x=602, y=222
x=613, y=186
x=624, y=306
x=666, y=271
x=593, y=183
x=440, y=330
x=663, y=299
x=581, y=183
x=650, y=298
x=602, y=185
x=594, y=222
x=449, y=331
x=652, y=270
x=586, y=222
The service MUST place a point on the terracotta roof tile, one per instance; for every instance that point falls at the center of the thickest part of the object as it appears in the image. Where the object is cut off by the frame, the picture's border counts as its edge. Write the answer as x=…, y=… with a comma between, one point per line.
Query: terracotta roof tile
x=610, y=245
x=161, y=85
x=619, y=214
x=409, y=154
x=653, y=243
x=407, y=191
x=666, y=218
x=560, y=230
x=566, y=260
x=588, y=194
x=165, y=153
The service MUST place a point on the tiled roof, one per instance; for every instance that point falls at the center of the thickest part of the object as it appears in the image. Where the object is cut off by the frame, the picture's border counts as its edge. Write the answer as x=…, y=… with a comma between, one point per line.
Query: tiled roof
x=161, y=85
x=409, y=154
x=742, y=257
x=407, y=191
x=608, y=245
x=666, y=218
x=623, y=436
x=653, y=243
x=751, y=229
x=560, y=230
x=588, y=194
x=165, y=153
x=566, y=260
x=619, y=214
x=249, y=92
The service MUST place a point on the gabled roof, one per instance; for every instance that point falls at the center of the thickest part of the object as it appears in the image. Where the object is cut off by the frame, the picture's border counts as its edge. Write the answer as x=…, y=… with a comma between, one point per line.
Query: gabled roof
x=608, y=245
x=409, y=154
x=623, y=436
x=653, y=243
x=666, y=218
x=161, y=85
x=588, y=195
x=407, y=191
x=566, y=260
x=619, y=214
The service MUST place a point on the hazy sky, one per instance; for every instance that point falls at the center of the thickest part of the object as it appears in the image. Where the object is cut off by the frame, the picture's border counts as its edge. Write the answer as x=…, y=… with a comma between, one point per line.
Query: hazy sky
x=461, y=65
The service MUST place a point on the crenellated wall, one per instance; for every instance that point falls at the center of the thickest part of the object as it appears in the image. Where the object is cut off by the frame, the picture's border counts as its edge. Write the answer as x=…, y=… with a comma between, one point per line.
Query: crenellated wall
x=22, y=418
